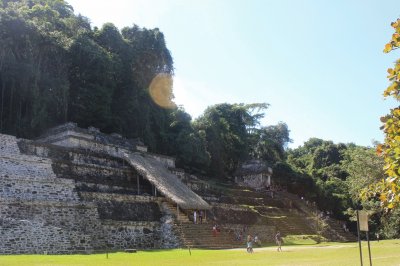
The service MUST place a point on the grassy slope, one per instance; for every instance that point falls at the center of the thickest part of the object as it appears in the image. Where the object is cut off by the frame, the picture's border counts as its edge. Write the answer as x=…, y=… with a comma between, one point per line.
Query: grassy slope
x=335, y=254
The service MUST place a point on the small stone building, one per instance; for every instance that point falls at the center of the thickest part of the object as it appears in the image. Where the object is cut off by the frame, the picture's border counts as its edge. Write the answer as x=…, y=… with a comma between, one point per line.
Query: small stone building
x=255, y=174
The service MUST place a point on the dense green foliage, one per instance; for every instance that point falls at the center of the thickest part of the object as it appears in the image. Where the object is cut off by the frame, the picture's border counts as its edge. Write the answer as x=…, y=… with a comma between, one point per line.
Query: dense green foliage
x=55, y=68
x=269, y=143
x=228, y=129
x=333, y=175
x=321, y=161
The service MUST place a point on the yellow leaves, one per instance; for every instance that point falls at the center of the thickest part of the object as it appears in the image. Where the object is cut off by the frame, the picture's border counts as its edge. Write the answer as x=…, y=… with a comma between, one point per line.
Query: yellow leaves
x=393, y=89
x=396, y=25
x=388, y=48
x=397, y=197
x=383, y=197
x=395, y=42
x=389, y=189
x=390, y=172
x=394, y=188
x=379, y=149
x=392, y=74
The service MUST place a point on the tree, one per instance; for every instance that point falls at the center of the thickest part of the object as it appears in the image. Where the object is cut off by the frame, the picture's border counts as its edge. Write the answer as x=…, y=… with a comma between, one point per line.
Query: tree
x=321, y=161
x=92, y=85
x=33, y=65
x=269, y=143
x=227, y=128
x=388, y=189
x=365, y=167
x=54, y=68
x=187, y=143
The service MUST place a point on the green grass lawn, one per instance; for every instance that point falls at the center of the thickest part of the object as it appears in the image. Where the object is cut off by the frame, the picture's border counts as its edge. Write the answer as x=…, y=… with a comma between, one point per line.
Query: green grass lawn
x=335, y=254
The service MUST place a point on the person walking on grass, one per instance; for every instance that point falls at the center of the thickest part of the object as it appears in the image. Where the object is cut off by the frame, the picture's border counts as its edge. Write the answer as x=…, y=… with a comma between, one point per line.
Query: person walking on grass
x=249, y=244
x=257, y=240
x=278, y=240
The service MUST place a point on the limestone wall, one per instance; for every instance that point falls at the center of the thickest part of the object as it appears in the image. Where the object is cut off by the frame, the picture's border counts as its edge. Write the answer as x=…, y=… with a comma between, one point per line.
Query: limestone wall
x=18, y=165
x=24, y=236
x=8, y=145
x=92, y=171
x=44, y=189
x=73, y=139
x=256, y=181
x=70, y=154
x=125, y=207
x=38, y=211
x=55, y=227
x=62, y=214
x=27, y=177
x=123, y=234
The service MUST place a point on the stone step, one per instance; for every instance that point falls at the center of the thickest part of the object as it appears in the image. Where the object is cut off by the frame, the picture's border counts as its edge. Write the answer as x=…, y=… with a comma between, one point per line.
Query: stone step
x=201, y=236
x=182, y=217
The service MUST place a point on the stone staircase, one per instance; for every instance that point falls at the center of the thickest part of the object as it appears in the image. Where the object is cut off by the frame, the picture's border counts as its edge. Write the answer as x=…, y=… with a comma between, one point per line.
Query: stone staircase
x=201, y=236
x=285, y=211
x=336, y=232
x=292, y=225
x=180, y=216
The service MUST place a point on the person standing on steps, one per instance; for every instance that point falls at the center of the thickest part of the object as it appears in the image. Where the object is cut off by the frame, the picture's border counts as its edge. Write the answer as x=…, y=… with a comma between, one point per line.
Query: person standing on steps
x=214, y=230
x=194, y=216
x=278, y=240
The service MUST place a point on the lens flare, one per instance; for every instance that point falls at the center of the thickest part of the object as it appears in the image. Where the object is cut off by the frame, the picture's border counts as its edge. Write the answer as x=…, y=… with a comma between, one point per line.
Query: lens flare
x=161, y=90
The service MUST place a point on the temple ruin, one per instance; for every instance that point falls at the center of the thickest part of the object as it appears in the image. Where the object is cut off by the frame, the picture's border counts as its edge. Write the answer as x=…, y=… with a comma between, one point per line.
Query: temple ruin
x=75, y=190
x=79, y=190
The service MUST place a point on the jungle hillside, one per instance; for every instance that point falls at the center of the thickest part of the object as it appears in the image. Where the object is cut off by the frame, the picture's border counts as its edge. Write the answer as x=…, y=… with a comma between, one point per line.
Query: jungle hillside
x=56, y=68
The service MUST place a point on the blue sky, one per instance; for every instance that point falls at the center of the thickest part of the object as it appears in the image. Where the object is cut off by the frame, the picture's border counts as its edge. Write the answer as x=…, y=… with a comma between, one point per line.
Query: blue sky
x=319, y=64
